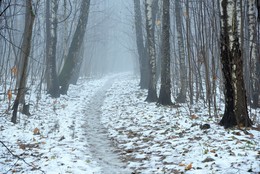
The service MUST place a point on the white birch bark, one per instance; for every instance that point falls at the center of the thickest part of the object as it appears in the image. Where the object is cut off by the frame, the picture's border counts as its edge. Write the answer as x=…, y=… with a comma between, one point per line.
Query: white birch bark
x=152, y=95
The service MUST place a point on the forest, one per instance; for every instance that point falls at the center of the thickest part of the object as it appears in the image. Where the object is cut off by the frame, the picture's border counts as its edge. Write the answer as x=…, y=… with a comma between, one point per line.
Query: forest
x=129, y=86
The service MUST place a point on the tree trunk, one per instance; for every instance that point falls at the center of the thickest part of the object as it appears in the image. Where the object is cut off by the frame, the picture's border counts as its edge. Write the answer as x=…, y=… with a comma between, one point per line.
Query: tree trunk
x=142, y=54
x=51, y=42
x=232, y=66
x=69, y=67
x=152, y=94
x=183, y=71
x=254, y=62
x=165, y=90
x=25, y=52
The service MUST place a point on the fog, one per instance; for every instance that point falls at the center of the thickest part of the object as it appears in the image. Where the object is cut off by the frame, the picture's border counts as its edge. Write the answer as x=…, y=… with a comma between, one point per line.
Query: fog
x=109, y=41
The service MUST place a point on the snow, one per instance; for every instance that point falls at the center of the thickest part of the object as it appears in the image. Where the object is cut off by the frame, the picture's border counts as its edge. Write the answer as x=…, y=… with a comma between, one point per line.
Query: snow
x=90, y=130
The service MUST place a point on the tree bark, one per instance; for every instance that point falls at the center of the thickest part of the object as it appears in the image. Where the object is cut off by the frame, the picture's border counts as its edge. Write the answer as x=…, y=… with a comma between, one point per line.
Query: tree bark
x=25, y=52
x=152, y=94
x=165, y=90
x=142, y=54
x=70, y=64
x=51, y=42
x=232, y=66
x=183, y=71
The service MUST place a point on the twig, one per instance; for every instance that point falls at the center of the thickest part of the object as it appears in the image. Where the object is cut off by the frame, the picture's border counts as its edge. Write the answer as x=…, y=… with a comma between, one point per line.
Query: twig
x=19, y=158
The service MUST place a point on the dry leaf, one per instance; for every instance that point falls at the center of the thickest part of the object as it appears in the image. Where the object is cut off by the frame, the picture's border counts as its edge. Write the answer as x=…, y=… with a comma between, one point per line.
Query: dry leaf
x=188, y=167
x=22, y=146
x=14, y=71
x=193, y=116
x=36, y=131
x=9, y=94
x=213, y=151
x=181, y=164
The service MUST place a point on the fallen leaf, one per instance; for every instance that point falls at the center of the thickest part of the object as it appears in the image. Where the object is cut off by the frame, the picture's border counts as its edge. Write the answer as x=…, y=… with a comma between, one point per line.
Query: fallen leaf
x=213, y=151
x=36, y=131
x=22, y=146
x=193, y=117
x=188, y=167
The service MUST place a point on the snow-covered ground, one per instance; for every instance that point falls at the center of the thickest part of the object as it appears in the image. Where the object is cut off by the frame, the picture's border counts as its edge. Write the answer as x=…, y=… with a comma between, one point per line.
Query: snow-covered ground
x=58, y=138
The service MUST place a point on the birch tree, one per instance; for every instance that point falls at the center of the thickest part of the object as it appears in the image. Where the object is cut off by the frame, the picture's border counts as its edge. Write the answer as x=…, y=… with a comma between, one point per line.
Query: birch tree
x=232, y=66
x=165, y=90
x=152, y=94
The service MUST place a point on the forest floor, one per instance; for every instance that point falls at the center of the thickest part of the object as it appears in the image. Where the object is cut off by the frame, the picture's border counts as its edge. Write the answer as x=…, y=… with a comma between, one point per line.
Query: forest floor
x=104, y=126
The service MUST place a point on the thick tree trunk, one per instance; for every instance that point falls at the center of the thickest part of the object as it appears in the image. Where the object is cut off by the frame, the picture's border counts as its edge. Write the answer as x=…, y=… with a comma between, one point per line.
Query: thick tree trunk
x=235, y=95
x=165, y=90
x=51, y=42
x=69, y=67
x=142, y=54
x=183, y=71
x=152, y=94
x=25, y=52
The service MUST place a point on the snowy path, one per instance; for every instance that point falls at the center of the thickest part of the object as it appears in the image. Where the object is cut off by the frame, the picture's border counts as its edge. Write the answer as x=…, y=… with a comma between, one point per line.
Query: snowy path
x=101, y=147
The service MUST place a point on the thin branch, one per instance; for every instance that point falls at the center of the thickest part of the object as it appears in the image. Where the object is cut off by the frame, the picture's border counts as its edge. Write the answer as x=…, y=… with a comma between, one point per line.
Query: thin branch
x=19, y=158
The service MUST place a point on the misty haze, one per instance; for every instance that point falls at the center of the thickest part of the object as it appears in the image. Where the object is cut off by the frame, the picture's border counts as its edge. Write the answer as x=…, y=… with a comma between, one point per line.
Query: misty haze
x=129, y=86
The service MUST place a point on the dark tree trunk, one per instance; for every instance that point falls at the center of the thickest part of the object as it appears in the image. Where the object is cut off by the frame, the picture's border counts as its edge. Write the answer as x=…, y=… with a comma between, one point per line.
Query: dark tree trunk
x=165, y=90
x=25, y=52
x=232, y=67
x=51, y=42
x=181, y=98
x=69, y=67
x=142, y=54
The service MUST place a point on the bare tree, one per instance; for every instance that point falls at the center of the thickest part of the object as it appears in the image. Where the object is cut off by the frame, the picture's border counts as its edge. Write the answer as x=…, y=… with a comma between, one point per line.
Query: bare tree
x=165, y=90
x=235, y=95
x=51, y=42
x=72, y=59
x=152, y=94
x=183, y=70
x=142, y=53
x=25, y=52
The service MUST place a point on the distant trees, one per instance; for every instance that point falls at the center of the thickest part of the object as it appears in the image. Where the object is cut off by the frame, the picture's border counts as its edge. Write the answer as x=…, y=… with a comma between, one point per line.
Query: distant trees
x=182, y=47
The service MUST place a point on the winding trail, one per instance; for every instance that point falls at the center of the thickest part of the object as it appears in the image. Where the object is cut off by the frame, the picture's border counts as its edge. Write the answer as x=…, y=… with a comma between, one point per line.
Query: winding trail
x=101, y=147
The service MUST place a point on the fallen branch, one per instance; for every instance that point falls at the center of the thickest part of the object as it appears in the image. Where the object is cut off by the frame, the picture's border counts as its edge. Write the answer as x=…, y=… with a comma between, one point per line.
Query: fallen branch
x=19, y=158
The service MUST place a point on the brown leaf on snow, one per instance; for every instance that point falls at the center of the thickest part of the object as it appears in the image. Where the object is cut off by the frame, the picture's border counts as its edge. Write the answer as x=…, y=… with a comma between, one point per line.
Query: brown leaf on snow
x=188, y=167
x=193, y=117
x=22, y=146
x=36, y=131
x=29, y=146
x=181, y=164
x=213, y=151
